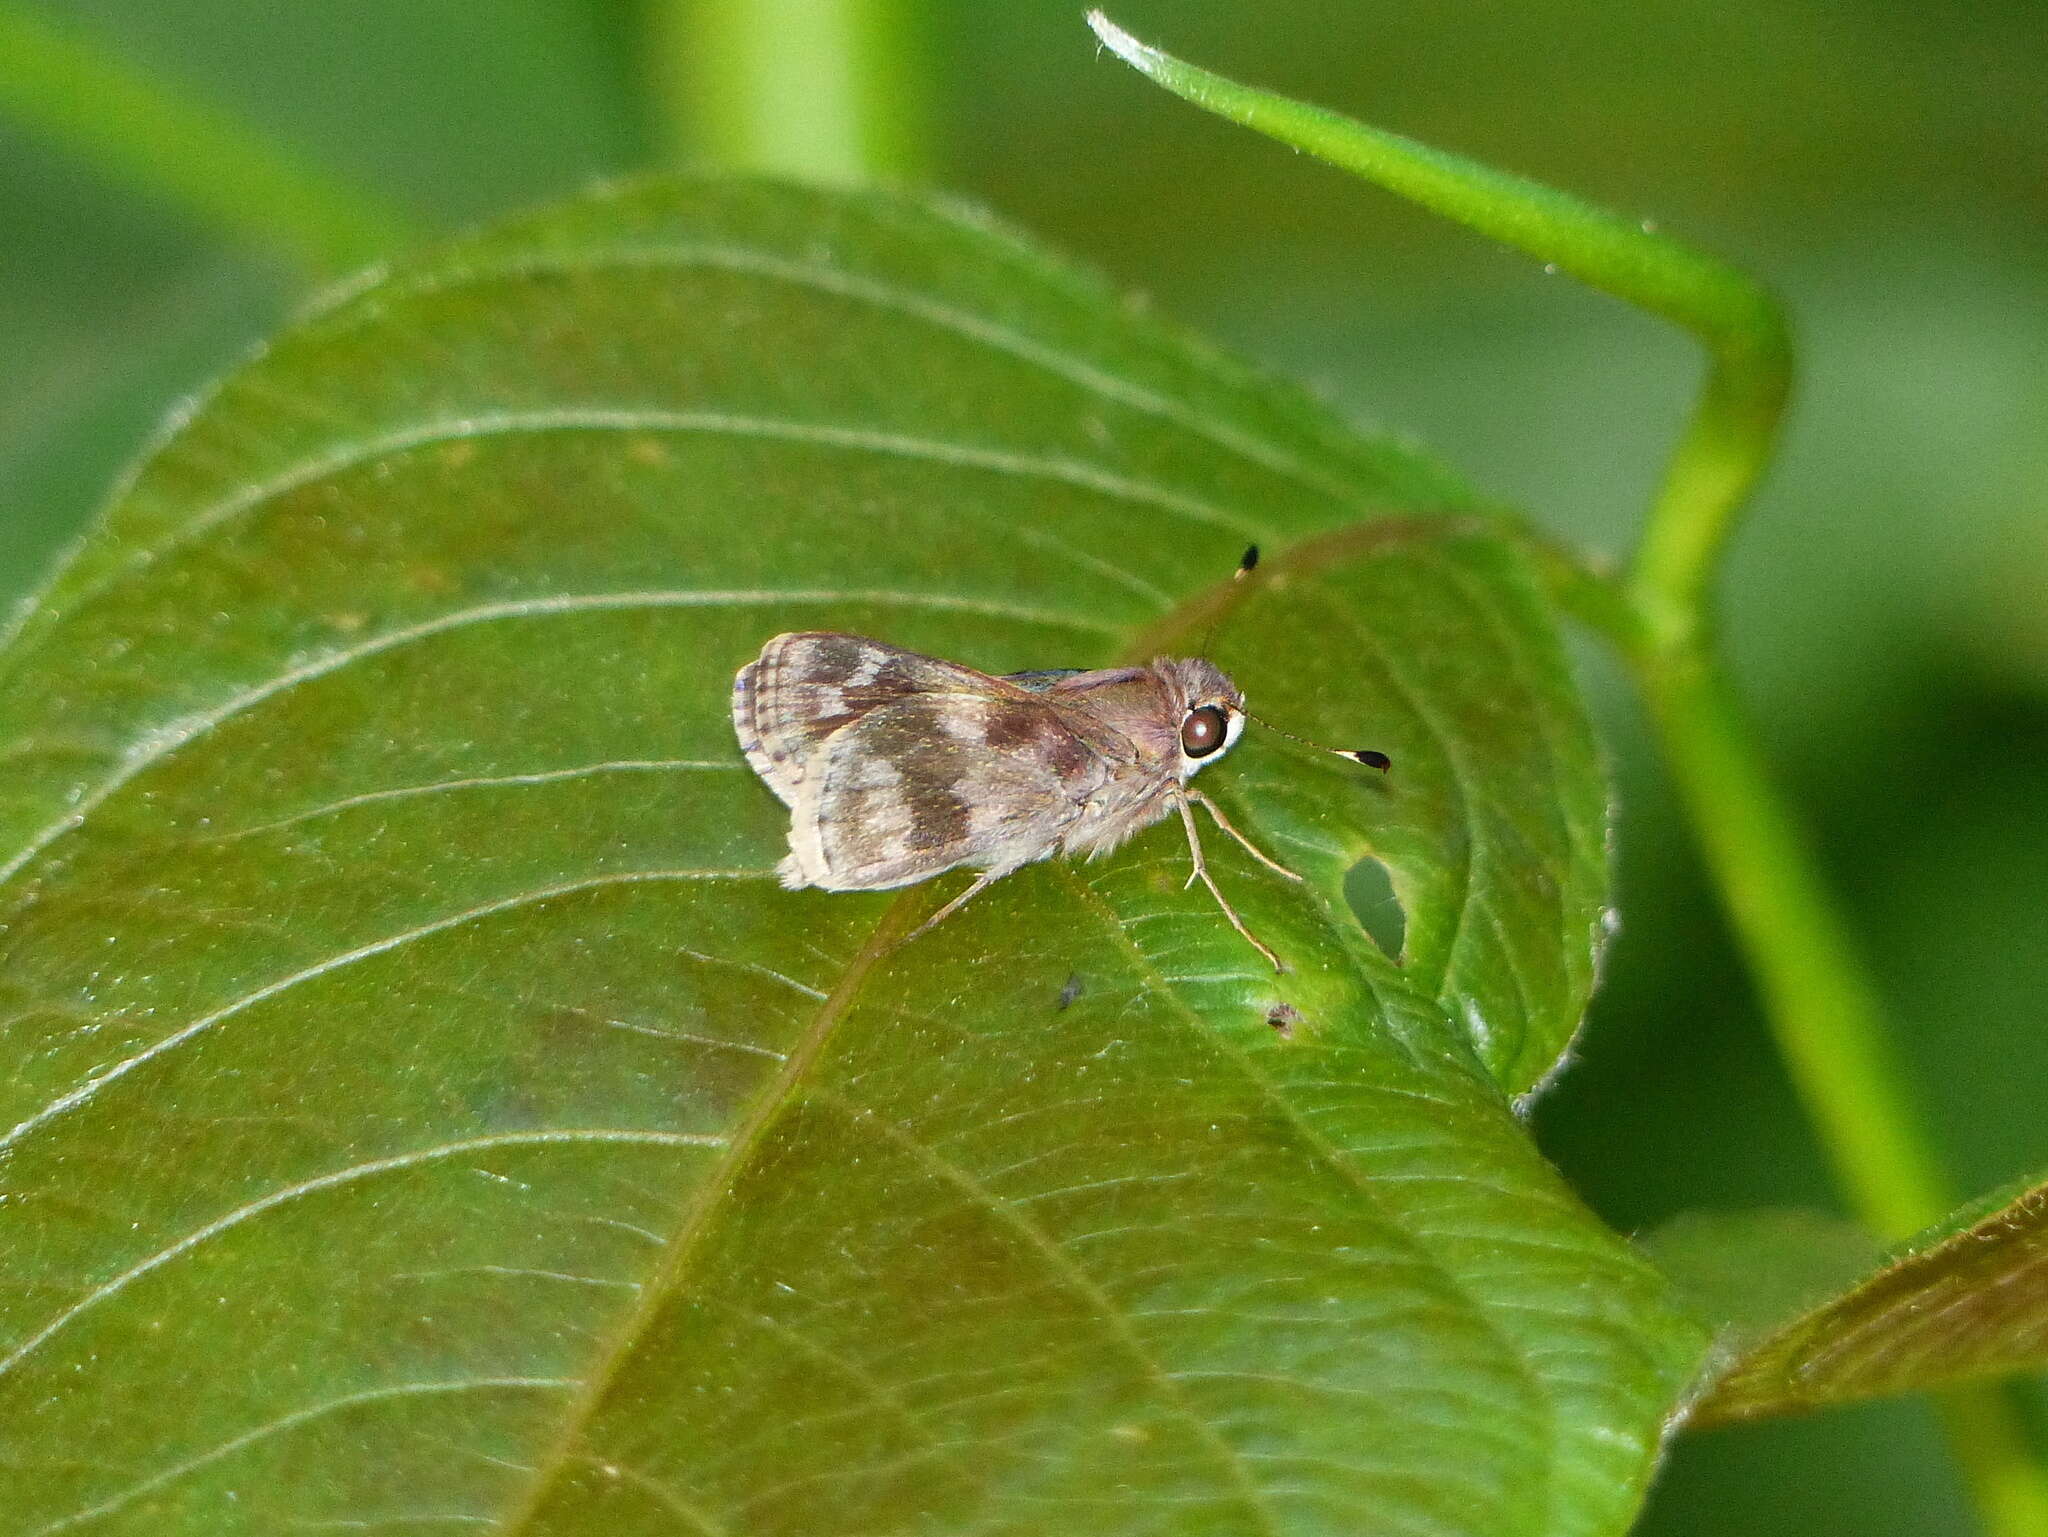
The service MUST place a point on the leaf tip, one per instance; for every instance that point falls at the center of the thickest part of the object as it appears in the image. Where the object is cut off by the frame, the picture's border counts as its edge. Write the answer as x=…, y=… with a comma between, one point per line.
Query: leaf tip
x=1121, y=43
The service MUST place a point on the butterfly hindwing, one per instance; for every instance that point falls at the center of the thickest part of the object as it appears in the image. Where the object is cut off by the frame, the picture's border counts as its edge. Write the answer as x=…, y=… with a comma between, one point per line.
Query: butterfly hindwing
x=931, y=781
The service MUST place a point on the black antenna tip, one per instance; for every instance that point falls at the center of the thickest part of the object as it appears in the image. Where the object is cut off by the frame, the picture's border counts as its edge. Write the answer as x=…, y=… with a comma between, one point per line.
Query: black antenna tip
x=1371, y=759
x=1250, y=561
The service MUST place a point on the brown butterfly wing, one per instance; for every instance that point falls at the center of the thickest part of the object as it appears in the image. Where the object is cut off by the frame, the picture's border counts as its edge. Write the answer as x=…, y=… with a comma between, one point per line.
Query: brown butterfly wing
x=932, y=781
x=805, y=686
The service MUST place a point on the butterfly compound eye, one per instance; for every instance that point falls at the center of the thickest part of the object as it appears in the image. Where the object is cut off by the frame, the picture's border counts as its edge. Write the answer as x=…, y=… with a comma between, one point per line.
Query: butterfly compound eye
x=1203, y=731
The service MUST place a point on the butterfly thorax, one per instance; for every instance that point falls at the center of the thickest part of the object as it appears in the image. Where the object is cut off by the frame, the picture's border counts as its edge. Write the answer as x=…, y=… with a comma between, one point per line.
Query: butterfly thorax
x=1133, y=717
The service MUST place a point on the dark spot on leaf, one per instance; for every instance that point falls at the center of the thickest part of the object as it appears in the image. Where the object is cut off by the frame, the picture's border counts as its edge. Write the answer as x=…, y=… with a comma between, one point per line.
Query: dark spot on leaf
x=1070, y=991
x=1283, y=1017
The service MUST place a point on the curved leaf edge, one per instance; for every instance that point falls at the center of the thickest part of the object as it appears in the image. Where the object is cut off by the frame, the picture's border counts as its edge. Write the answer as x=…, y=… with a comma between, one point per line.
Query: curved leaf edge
x=1965, y=1300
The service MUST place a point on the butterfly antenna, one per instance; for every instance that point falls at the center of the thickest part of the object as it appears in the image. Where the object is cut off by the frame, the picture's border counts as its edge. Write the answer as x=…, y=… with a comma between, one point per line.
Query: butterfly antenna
x=1245, y=567
x=1365, y=755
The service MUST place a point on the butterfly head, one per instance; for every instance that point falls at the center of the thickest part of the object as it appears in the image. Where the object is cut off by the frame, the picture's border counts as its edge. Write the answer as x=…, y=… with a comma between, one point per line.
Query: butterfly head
x=1211, y=711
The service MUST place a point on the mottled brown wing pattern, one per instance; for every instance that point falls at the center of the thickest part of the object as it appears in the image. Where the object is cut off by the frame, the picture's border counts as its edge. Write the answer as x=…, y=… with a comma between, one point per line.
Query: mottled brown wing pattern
x=805, y=686
x=925, y=783
x=897, y=767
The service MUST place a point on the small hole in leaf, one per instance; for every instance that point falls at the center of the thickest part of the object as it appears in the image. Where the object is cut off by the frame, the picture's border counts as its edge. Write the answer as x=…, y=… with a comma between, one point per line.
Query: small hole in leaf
x=1370, y=891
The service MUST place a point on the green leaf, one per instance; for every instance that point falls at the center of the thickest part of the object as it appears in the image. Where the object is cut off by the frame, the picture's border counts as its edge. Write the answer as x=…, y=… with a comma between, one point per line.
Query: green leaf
x=1968, y=1299
x=427, y=1109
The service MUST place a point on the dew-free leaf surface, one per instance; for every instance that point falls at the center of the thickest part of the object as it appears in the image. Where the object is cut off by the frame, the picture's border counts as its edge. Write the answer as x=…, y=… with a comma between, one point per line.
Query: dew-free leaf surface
x=1967, y=1300
x=421, y=1109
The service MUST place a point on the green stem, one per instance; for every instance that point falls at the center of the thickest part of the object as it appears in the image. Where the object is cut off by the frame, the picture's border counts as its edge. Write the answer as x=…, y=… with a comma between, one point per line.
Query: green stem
x=1987, y=1436
x=186, y=151
x=819, y=90
x=1822, y=1007
x=1828, y=1023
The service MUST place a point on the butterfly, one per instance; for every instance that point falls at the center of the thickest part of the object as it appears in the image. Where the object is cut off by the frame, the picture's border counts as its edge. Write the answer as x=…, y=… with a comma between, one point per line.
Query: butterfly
x=897, y=766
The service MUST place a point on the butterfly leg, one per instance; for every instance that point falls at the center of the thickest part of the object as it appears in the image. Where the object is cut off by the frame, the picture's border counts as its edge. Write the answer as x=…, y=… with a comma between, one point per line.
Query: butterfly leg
x=981, y=883
x=1250, y=847
x=1187, y=818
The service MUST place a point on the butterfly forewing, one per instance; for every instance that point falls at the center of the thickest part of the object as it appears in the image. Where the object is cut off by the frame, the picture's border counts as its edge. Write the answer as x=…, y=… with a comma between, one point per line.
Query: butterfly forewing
x=803, y=687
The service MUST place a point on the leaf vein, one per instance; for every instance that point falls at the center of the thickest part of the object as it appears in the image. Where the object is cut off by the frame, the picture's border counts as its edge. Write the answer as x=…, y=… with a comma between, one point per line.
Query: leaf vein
x=398, y=1163
x=1067, y=1268
x=75, y=1097
x=698, y=1220
x=170, y=737
x=473, y=782
x=666, y=1498
x=283, y=1425
x=471, y=427
x=1329, y=1154
x=943, y=316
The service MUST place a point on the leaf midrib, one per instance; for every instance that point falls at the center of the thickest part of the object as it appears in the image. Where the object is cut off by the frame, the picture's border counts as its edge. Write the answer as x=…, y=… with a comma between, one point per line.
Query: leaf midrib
x=700, y=1216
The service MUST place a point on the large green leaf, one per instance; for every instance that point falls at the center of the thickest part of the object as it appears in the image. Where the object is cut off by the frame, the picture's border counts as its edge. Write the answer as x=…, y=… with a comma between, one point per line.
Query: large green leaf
x=1968, y=1299
x=426, y=1109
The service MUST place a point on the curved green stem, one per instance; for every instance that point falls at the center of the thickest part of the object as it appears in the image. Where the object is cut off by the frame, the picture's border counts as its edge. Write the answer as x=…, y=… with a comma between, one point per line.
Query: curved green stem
x=818, y=90
x=1826, y=1015
x=186, y=151
x=1822, y=1007
x=1749, y=352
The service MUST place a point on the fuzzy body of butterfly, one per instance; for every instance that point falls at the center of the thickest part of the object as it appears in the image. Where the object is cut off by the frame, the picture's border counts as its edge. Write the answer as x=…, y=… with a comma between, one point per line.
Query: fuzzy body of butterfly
x=897, y=767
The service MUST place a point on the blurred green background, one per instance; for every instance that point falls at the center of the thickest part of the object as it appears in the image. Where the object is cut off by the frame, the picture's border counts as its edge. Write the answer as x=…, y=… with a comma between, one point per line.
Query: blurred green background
x=1882, y=163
